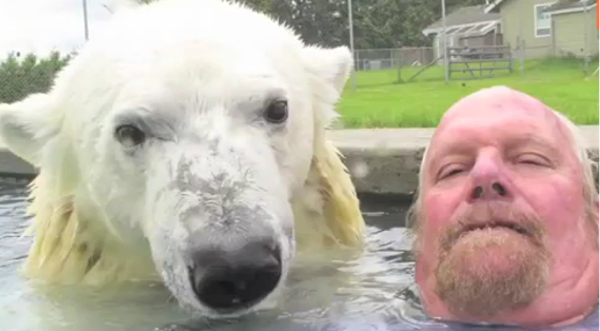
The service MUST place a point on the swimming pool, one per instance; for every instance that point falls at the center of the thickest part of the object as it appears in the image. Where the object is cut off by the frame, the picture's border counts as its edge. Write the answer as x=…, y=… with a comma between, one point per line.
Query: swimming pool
x=375, y=283
x=372, y=292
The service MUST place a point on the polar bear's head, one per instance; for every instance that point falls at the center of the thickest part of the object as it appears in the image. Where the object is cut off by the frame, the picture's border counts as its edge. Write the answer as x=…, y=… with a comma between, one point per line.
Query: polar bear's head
x=187, y=126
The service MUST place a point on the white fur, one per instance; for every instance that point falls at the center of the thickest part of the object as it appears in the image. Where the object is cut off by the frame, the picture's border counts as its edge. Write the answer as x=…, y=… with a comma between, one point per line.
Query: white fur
x=201, y=71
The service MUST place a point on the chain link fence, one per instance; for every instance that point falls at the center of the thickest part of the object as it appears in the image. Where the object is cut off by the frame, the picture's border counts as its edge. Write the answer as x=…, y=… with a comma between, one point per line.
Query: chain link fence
x=22, y=74
x=375, y=67
x=392, y=58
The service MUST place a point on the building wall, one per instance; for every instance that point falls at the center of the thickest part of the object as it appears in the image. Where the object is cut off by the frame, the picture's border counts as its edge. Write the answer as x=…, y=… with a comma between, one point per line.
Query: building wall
x=518, y=22
x=570, y=34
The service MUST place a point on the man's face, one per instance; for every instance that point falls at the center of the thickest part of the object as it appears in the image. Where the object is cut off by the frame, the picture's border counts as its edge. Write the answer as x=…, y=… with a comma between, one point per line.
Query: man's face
x=503, y=213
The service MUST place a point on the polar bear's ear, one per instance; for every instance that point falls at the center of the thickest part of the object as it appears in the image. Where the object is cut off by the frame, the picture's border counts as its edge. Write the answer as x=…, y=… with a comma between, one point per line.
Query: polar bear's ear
x=332, y=64
x=25, y=126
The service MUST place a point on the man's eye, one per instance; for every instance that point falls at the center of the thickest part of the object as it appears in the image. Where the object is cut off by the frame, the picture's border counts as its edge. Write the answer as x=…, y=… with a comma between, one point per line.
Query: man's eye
x=449, y=171
x=533, y=159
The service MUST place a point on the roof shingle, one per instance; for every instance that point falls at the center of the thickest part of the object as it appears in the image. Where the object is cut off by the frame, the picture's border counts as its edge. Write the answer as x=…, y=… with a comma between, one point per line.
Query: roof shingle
x=570, y=4
x=465, y=15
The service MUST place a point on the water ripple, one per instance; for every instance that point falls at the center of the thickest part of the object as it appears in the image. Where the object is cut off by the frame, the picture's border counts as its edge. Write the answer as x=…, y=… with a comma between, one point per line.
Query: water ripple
x=374, y=288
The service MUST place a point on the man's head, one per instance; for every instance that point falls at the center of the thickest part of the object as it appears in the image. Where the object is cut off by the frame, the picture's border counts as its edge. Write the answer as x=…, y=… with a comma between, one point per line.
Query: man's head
x=507, y=214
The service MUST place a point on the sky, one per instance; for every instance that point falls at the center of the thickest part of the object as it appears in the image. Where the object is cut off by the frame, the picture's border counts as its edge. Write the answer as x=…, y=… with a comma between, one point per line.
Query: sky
x=41, y=26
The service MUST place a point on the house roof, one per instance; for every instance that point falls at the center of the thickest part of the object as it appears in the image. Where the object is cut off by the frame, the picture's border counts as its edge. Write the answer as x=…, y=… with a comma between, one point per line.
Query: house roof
x=570, y=6
x=492, y=6
x=465, y=19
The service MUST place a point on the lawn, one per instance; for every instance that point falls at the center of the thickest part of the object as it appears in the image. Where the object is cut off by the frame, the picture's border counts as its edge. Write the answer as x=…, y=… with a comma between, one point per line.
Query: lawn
x=379, y=101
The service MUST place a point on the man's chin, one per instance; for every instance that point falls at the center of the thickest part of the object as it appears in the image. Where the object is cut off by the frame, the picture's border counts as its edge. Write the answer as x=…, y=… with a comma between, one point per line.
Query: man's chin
x=490, y=271
x=499, y=246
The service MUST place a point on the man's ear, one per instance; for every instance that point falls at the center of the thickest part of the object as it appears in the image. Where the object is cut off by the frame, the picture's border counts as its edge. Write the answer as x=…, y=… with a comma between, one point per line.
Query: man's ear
x=26, y=126
x=333, y=65
x=597, y=206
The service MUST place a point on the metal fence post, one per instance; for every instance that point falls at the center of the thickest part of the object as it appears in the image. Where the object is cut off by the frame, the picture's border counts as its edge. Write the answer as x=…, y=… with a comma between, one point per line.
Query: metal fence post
x=445, y=41
x=351, y=28
x=398, y=58
x=586, y=53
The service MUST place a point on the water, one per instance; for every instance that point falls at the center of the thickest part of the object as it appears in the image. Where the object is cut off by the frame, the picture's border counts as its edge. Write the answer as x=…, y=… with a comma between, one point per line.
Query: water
x=373, y=285
x=372, y=292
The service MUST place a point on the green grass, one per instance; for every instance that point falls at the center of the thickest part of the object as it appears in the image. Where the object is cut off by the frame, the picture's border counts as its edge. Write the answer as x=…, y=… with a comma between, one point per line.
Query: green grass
x=381, y=102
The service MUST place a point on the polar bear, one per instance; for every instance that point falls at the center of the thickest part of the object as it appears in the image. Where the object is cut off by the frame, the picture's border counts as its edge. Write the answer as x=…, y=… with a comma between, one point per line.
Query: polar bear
x=187, y=143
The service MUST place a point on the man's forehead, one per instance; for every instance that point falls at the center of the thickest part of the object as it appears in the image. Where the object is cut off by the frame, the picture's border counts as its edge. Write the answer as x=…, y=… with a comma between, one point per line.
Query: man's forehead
x=498, y=101
x=497, y=115
x=500, y=107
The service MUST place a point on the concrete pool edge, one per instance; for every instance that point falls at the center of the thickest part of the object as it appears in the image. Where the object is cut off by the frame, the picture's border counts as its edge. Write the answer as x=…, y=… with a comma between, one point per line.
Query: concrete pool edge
x=394, y=156
x=381, y=161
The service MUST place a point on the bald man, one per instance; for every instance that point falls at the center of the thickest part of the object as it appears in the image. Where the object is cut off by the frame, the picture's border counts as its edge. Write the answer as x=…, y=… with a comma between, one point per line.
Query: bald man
x=507, y=215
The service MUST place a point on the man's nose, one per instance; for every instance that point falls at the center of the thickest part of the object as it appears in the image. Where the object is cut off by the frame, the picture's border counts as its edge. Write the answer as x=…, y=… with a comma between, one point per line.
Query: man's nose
x=489, y=180
x=489, y=190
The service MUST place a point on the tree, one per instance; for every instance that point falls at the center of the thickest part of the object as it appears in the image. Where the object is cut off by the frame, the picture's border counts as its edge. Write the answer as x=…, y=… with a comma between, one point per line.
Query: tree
x=29, y=75
x=376, y=23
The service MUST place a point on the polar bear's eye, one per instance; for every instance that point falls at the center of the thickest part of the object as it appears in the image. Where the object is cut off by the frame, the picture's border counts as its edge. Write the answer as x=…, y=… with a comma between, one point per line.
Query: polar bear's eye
x=277, y=112
x=129, y=135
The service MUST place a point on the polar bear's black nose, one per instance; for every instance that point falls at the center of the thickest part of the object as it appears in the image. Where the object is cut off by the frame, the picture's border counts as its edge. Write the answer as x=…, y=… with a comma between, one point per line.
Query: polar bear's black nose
x=230, y=280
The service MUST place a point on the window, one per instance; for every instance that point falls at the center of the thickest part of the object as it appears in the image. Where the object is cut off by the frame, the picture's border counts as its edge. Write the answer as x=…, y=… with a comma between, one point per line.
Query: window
x=543, y=23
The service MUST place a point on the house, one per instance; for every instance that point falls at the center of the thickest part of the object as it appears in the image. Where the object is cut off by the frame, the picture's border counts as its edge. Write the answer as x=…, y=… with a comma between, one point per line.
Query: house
x=574, y=26
x=548, y=27
x=466, y=26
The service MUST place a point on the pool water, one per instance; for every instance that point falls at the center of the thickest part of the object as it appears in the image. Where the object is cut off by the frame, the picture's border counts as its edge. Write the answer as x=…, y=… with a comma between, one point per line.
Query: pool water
x=374, y=284
x=373, y=292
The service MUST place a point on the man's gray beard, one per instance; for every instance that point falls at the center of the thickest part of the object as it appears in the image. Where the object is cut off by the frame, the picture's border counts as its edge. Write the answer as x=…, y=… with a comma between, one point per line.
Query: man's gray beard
x=480, y=290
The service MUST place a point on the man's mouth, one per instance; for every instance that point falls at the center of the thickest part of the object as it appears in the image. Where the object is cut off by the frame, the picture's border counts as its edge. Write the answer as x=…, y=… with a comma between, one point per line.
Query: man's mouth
x=494, y=225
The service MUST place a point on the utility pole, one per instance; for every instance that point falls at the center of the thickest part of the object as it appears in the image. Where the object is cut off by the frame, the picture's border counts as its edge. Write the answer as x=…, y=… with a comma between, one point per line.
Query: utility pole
x=521, y=41
x=85, y=20
x=444, y=40
x=351, y=27
x=586, y=58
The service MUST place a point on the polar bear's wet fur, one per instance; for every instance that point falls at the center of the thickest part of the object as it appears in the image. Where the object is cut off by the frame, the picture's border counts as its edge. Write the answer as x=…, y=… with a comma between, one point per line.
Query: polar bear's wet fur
x=187, y=143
